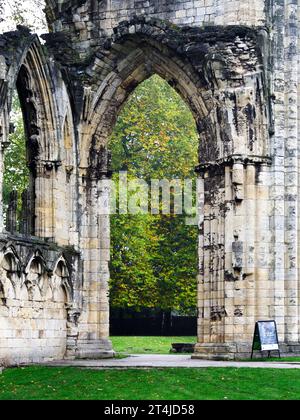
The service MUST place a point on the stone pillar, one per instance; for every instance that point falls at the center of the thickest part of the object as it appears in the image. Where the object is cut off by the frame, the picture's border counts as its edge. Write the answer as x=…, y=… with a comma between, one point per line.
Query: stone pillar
x=292, y=283
x=203, y=326
x=11, y=214
x=4, y=124
x=93, y=339
x=26, y=222
x=212, y=312
x=4, y=143
x=43, y=187
x=286, y=162
x=235, y=269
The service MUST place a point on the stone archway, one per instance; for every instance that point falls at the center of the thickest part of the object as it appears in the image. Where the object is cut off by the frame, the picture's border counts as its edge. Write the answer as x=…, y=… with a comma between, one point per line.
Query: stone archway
x=32, y=295
x=29, y=76
x=227, y=97
x=47, y=122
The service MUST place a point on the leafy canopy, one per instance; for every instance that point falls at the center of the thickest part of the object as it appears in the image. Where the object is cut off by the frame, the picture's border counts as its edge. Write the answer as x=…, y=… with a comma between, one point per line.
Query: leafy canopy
x=16, y=173
x=154, y=258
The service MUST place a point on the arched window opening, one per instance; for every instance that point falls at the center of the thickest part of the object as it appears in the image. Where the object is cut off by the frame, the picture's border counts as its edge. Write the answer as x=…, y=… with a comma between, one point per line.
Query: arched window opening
x=20, y=160
x=154, y=265
x=16, y=173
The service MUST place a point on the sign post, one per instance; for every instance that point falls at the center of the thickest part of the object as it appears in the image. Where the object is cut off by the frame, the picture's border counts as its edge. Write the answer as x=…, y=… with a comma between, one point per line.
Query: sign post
x=265, y=337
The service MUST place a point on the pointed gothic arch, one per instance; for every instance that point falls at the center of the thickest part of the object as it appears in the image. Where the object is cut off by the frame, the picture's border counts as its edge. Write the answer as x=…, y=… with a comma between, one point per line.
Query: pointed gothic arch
x=31, y=75
x=227, y=99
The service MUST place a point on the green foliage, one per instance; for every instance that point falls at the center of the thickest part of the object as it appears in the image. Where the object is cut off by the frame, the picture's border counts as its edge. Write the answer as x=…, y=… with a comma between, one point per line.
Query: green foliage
x=134, y=246
x=16, y=174
x=16, y=12
x=154, y=258
x=155, y=135
x=175, y=264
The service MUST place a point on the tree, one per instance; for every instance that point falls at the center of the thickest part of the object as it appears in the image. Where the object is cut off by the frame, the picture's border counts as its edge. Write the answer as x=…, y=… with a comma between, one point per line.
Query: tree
x=155, y=135
x=16, y=173
x=154, y=258
x=133, y=283
x=15, y=12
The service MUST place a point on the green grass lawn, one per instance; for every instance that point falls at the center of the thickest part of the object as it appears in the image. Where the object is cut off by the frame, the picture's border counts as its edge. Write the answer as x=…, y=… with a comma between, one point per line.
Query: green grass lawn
x=162, y=345
x=41, y=383
x=147, y=345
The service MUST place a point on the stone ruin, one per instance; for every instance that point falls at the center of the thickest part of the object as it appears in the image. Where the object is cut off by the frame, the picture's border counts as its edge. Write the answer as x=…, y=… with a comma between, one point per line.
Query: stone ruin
x=236, y=64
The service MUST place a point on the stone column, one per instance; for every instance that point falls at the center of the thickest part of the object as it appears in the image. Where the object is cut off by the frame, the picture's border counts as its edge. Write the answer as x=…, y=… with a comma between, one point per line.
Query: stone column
x=211, y=298
x=43, y=191
x=203, y=326
x=235, y=269
x=4, y=124
x=11, y=214
x=286, y=162
x=27, y=213
x=4, y=143
x=93, y=340
x=292, y=284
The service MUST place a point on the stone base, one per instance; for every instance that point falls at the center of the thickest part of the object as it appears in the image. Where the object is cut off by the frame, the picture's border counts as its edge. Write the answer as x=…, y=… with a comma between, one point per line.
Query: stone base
x=216, y=351
x=239, y=351
x=290, y=349
x=94, y=349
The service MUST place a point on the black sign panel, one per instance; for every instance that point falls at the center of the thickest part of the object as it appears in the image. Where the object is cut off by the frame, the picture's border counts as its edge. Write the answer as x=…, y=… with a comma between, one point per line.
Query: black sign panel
x=265, y=337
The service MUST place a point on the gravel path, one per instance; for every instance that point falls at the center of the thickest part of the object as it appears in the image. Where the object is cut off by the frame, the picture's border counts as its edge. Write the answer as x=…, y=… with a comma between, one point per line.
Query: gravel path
x=168, y=361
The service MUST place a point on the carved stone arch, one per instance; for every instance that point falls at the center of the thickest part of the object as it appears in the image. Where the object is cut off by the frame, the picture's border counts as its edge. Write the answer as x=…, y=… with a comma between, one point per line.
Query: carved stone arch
x=225, y=89
x=34, y=81
x=10, y=250
x=36, y=257
x=36, y=275
x=46, y=154
x=10, y=273
x=62, y=271
x=11, y=262
x=225, y=94
x=31, y=71
x=134, y=59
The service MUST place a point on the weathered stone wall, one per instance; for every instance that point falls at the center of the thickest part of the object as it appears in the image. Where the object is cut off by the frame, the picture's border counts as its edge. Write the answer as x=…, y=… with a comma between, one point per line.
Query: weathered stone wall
x=33, y=315
x=284, y=223
x=89, y=22
x=235, y=63
x=37, y=301
x=88, y=17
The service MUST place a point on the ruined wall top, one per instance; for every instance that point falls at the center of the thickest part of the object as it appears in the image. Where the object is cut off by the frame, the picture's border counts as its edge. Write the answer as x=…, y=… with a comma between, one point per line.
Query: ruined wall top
x=88, y=20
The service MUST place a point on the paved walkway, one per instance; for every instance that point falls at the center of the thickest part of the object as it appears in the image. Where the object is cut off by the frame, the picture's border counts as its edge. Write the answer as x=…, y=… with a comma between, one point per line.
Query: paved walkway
x=167, y=361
